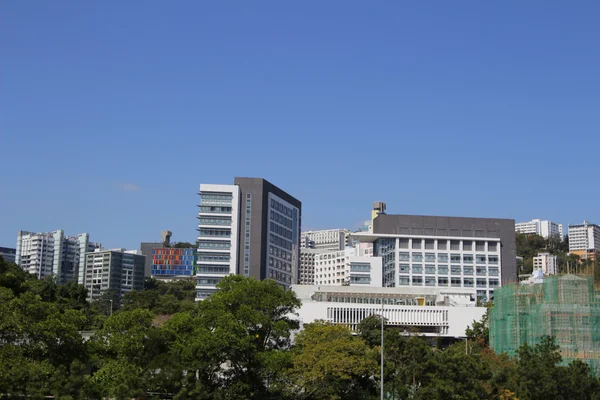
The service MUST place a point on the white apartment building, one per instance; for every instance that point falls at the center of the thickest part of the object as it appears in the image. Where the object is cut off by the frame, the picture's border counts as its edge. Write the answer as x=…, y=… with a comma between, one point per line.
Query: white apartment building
x=117, y=270
x=546, y=262
x=543, y=228
x=438, y=312
x=584, y=239
x=218, y=227
x=348, y=267
x=306, y=275
x=53, y=254
x=328, y=239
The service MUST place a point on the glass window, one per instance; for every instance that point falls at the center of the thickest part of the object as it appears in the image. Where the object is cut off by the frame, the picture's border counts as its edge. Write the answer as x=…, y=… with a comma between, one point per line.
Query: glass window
x=429, y=281
x=468, y=282
x=404, y=256
x=403, y=243
x=468, y=270
x=429, y=257
x=442, y=245
x=455, y=282
x=404, y=268
x=479, y=246
x=493, y=271
x=481, y=271
x=416, y=243
x=468, y=258
x=429, y=244
x=417, y=280
x=455, y=270
x=481, y=283
x=430, y=269
x=442, y=257
x=492, y=246
x=493, y=282
x=442, y=281
x=480, y=259
x=417, y=257
x=443, y=270
x=493, y=259
x=455, y=245
x=404, y=280
x=417, y=269
x=467, y=245
x=455, y=258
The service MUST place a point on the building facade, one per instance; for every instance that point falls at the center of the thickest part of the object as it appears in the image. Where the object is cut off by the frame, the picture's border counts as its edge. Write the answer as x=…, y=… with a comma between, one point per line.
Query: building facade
x=329, y=239
x=115, y=270
x=218, y=233
x=544, y=228
x=444, y=252
x=146, y=248
x=251, y=228
x=173, y=263
x=8, y=254
x=584, y=240
x=547, y=263
x=436, y=312
x=53, y=254
x=306, y=275
x=348, y=267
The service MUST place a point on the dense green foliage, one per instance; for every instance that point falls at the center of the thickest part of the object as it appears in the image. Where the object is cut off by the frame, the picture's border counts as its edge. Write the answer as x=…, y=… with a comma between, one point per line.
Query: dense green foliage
x=239, y=344
x=529, y=245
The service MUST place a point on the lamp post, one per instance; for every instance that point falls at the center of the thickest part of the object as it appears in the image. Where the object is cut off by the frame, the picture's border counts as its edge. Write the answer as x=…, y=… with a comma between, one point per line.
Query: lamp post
x=381, y=348
x=111, y=307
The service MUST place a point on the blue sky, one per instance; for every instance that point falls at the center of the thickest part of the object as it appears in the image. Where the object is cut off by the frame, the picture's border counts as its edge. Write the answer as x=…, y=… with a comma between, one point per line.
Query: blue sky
x=112, y=113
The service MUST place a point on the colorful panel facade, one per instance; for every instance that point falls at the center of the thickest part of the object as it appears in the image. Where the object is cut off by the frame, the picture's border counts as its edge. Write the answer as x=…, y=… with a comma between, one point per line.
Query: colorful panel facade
x=170, y=262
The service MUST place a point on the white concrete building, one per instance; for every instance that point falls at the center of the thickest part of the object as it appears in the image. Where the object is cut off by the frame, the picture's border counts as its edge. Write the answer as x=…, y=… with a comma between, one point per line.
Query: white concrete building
x=439, y=312
x=53, y=254
x=218, y=227
x=584, y=239
x=117, y=270
x=306, y=275
x=328, y=239
x=348, y=267
x=543, y=228
x=546, y=262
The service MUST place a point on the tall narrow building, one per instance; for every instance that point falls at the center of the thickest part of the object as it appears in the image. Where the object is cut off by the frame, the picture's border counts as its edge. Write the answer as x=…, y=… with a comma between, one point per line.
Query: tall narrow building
x=251, y=228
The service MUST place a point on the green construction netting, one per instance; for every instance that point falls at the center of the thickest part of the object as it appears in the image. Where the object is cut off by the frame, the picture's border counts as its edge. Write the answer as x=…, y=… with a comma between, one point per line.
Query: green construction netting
x=566, y=307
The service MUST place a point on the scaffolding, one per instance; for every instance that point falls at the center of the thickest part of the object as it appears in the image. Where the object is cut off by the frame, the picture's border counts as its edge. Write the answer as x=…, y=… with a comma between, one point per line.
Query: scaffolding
x=565, y=307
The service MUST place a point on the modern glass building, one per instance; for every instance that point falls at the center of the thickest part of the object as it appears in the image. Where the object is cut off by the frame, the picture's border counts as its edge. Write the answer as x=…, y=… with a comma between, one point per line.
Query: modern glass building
x=168, y=263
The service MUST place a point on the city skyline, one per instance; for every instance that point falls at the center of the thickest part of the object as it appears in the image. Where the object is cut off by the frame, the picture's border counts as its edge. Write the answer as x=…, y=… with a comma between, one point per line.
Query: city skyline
x=113, y=114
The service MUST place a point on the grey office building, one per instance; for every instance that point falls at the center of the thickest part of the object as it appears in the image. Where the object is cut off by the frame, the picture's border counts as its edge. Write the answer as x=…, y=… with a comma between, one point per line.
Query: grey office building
x=418, y=250
x=115, y=270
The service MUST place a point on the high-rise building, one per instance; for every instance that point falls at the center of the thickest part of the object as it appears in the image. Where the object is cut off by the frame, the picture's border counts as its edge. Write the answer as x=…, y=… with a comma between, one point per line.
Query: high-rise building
x=546, y=262
x=434, y=251
x=251, y=228
x=544, y=228
x=53, y=254
x=147, y=248
x=115, y=270
x=328, y=239
x=8, y=254
x=347, y=267
x=584, y=240
x=306, y=275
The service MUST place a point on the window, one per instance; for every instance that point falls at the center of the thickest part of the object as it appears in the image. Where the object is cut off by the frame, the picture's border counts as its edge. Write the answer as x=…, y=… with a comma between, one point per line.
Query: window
x=493, y=272
x=479, y=246
x=442, y=281
x=481, y=283
x=429, y=281
x=430, y=269
x=455, y=258
x=442, y=245
x=455, y=282
x=492, y=246
x=467, y=246
x=404, y=280
x=416, y=243
x=455, y=270
x=361, y=280
x=429, y=244
x=493, y=259
x=480, y=259
x=403, y=243
x=404, y=256
x=443, y=270
x=454, y=245
x=468, y=270
x=417, y=280
x=417, y=269
x=442, y=257
x=404, y=268
x=360, y=267
x=493, y=283
x=468, y=258
x=417, y=257
x=429, y=257
x=468, y=282
x=481, y=271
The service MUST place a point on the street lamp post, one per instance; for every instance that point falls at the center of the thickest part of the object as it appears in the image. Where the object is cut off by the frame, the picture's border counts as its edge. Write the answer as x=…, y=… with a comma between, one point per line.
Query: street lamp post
x=382, y=349
x=111, y=307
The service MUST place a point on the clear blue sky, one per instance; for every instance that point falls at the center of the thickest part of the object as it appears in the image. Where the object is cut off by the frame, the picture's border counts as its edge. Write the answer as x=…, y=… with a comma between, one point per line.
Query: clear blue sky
x=113, y=112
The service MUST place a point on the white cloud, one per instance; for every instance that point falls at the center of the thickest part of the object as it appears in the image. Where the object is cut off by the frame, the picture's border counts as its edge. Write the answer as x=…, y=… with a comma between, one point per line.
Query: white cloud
x=129, y=187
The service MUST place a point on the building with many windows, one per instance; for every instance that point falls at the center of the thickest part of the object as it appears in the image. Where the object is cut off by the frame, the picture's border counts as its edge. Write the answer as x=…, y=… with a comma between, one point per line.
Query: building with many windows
x=328, y=239
x=53, y=254
x=347, y=267
x=306, y=274
x=251, y=228
x=584, y=240
x=546, y=262
x=429, y=311
x=173, y=263
x=8, y=254
x=444, y=252
x=115, y=270
x=544, y=228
